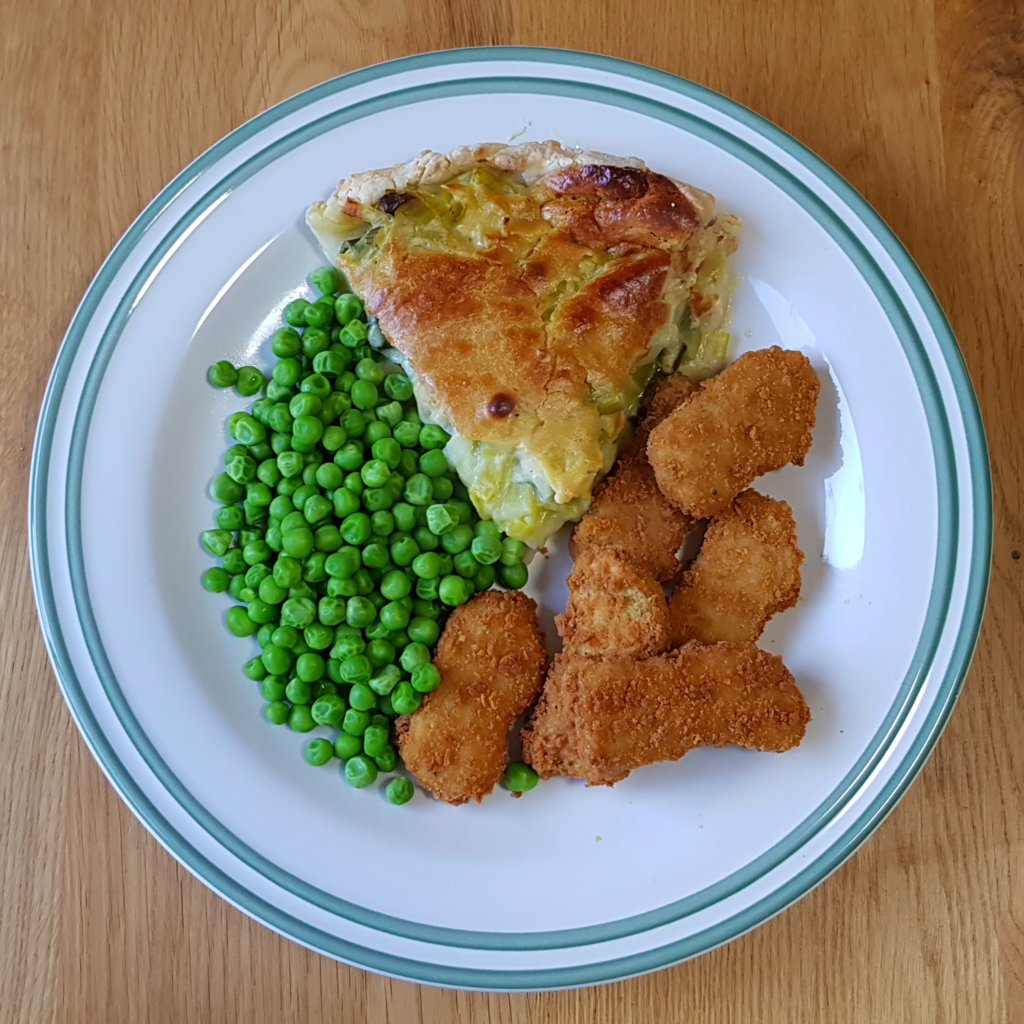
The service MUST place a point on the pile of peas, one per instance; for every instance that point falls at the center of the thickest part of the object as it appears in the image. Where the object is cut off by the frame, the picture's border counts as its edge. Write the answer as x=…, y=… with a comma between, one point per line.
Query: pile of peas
x=344, y=536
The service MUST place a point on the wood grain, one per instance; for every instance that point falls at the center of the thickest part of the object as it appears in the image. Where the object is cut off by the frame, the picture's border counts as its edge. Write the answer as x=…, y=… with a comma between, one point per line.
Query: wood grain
x=920, y=104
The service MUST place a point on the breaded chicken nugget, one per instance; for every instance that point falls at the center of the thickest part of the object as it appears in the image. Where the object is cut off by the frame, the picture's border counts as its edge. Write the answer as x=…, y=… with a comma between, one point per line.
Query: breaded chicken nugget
x=747, y=570
x=614, y=609
x=491, y=657
x=629, y=514
x=599, y=718
x=755, y=416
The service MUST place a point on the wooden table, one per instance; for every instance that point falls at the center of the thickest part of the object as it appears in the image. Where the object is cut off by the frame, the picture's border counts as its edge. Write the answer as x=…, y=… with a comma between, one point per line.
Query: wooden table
x=920, y=105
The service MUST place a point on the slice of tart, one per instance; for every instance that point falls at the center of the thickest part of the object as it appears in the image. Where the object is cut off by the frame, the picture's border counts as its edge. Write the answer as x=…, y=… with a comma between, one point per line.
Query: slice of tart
x=530, y=292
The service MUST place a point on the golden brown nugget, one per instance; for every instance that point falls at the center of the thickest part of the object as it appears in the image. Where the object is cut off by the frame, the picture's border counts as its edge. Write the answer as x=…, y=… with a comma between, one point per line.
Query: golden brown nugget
x=491, y=657
x=599, y=718
x=755, y=416
x=614, y=609
x=748, y=569
x=629, y=514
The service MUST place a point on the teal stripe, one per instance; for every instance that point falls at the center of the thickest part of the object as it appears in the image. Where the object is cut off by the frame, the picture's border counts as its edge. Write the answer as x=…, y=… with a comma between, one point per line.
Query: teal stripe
x=449, y=936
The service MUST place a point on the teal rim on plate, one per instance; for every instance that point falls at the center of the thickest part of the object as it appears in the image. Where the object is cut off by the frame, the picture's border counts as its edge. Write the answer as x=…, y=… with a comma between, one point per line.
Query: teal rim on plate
x=876, y=750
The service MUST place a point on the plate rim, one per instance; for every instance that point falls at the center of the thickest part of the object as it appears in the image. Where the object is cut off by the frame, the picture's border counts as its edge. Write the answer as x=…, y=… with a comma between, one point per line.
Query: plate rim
x=967, y=404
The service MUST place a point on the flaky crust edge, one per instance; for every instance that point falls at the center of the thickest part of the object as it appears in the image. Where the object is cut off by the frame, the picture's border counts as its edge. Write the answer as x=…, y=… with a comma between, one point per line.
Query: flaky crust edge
x=342, y=215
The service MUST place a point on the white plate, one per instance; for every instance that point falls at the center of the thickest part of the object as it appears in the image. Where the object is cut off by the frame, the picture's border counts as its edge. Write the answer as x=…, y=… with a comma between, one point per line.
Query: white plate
x=567, y=886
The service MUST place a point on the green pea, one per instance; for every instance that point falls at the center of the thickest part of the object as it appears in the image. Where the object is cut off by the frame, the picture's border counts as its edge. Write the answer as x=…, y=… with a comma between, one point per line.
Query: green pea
x=375, y=556
x=239, y=623
x=347, y=307
x=441, y=519
x=364, y=394
x=354, y=424
x=466, y=565
x=290, y=464
x=299, y=718
x=316, y=384
x=347, y=644
x=484, y=578
x=316, y=507
x=423, y=630
x=298, y=612
x=394, y=615
x=390, y=413
x=343, y=563
x=457, y=539
x=313, y=568
x=364, y=582
x=325, y=280
x=229, y=518
x=346, y=746
x=285, y=636
x=309, y=667
x=360, y=771
x=425, y=539
x=298, y=543
x=273, y=688
x=520, y=778
x=404, y=551
x=433, y=463
x=426, y=589
x=318, y=636
x=331, y=364
x=345, y=503
x=250, y=381
x=356, y=668
x=513, y=576
x=399, y=791
x=361, y=697
x=355, y=529
x=246, y=429
x=222, y=374
x=216, y=580
x=298, y=691
x=426, y=678
x=315, y=340
x=328, y=476
x=318, y=314
x=286, y=343
x=381, y=652
x=404, y=516
x=405, y=700
x=355, y=722
x=370, y=369
x=395, y=584
x=304, y=405
x=388, y=760
x=512, y=551
x=455, y=590
x=398, y=387
x=225, y=490
x=375, y=739
x=386, y=679
x=353, y=334
x=375, y=473
x=276, y=660
x=287, y=571
x=328, y=710
x=418, y=489
x=334, y=439
x=276, y=712
x=405, y=433
x=433, y=437
x=486, y=549
x=318, y=751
